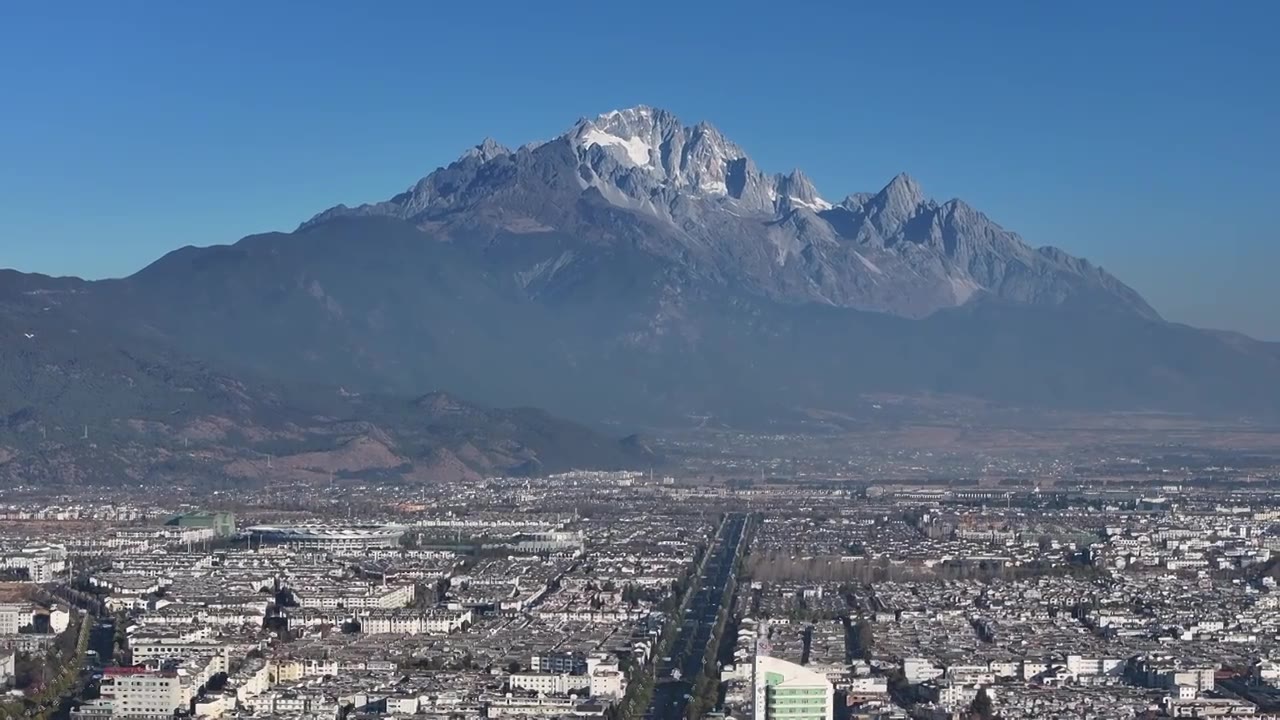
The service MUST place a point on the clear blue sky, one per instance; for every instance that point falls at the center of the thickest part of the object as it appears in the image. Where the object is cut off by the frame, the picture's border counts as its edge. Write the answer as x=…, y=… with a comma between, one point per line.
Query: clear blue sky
x=1144, y=135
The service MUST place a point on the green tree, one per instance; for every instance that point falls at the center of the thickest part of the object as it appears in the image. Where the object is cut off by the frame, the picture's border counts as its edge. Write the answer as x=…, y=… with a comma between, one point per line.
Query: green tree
x=863, y=640
x=982, y=708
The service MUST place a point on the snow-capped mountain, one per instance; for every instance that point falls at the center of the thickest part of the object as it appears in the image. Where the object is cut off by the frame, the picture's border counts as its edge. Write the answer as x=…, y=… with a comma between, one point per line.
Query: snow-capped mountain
x=690, y=197
x=637, y=269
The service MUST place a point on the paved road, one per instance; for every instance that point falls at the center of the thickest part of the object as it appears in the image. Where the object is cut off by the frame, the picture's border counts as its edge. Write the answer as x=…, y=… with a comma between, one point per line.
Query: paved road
x=670, y=697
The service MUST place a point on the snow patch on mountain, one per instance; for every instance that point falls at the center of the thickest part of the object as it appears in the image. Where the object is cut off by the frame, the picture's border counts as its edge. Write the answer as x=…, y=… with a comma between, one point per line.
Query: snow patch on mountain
x=637, y=150
x=817, y=204
x=867, y=263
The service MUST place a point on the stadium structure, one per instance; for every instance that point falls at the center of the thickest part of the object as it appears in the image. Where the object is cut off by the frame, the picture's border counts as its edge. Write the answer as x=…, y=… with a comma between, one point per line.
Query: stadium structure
x=330, y=537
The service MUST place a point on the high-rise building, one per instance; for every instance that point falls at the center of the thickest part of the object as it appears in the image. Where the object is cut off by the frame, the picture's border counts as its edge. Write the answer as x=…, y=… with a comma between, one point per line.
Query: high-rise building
x=787, y=691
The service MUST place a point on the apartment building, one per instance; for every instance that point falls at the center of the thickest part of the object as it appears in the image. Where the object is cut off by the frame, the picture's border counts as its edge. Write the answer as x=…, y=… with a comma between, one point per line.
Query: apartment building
x=787, y=691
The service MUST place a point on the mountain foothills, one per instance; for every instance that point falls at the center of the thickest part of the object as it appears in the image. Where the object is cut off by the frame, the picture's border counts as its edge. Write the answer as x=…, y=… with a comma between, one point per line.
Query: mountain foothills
x=633, y=269
x=84, y=401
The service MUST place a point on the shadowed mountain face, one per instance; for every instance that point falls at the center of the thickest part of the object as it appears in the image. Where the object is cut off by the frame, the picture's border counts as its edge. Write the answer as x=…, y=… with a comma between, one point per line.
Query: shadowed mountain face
x=637, y=269
x=84, y=400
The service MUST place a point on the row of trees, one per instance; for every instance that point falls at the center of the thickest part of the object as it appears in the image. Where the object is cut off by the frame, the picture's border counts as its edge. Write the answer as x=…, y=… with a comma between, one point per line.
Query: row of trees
x=706, y=690
x=66, y=660
x=642, y=679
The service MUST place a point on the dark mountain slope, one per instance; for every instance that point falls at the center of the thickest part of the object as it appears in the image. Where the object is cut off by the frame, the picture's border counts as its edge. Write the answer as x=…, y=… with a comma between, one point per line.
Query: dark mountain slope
x=379, y=306
x=81, y=401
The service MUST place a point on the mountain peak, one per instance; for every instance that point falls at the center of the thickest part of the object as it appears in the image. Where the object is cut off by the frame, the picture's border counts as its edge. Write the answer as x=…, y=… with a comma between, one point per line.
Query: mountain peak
x=487, y=150
x=632, y=135
x=640, y=121
x=797, y=189
x=701, y=203
x=895, y=204
x=694, y=159
x=636, y=113
x=903, y=189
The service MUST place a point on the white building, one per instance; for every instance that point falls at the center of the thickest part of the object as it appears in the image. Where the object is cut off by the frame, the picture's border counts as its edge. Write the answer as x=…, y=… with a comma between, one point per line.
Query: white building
x=918, y=670
x=865, y=686
x=374, y=598
x=1086, y=666
x=785, y=690
x=413, y=622
x=403, y=705
x=15, y=616
x=608, y=682
x=59, y=620
x=548, y=683
x=42, y=562
x=153, y=650
x=140, y=692
x=956, y=696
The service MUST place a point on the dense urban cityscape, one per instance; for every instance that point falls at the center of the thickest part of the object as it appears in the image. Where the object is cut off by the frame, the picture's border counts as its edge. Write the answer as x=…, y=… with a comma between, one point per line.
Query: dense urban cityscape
x=1116, y=587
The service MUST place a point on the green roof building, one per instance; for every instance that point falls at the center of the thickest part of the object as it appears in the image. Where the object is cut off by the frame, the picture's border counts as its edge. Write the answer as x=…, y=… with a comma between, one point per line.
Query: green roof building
x=222, y=523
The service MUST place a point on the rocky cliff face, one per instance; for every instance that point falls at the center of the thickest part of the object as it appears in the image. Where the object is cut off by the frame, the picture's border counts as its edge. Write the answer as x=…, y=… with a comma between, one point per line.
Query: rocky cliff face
x=697, y=203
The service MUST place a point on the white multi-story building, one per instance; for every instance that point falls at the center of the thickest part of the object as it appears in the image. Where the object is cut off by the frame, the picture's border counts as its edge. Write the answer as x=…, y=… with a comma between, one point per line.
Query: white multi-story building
x=548, y=683
x=42, y=562
x=15, y=616
x=403, y=705
x=607, y=679
x=140, y=692
x=158, y=649
x=1085, y=666
x=386, y=598
x=787, y=691
x=971, y=674
x=292, y=670
x=1005, y=668
x=918, y=670
x=865, y=686
x=1167, y=673
x=1033, y=668
x=955, y=696
x=413, y=622
x=559, y=662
